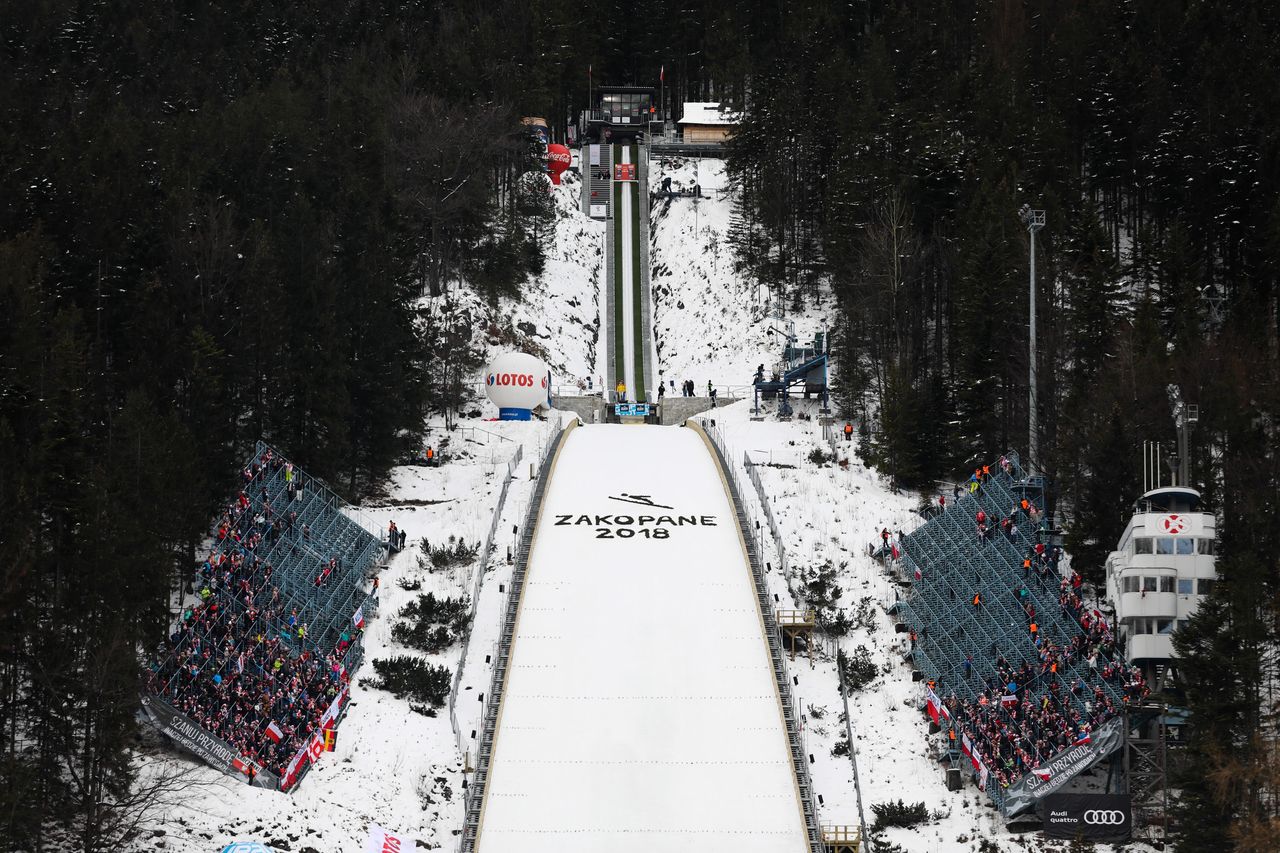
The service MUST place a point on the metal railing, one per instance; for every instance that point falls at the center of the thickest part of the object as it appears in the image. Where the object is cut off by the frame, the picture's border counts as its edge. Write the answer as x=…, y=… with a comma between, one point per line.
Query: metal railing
x=477, y=580
x=646, y=294
x=753, y=474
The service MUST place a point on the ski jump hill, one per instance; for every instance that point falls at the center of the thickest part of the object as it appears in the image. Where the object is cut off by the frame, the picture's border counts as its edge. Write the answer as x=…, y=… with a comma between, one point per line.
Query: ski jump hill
x=641, y=702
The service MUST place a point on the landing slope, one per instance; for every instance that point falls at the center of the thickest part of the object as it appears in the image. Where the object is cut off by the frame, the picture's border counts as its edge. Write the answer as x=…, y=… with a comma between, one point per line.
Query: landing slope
x=640, y=712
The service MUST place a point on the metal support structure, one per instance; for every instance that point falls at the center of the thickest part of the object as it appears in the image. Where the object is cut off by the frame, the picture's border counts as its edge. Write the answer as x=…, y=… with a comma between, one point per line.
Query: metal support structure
x=1034, y=220
x=1146, y=763
x=853, y=752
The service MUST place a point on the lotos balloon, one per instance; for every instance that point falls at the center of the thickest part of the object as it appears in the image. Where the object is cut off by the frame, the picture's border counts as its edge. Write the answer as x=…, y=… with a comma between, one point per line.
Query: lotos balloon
x=517, y=383
x=557, y=160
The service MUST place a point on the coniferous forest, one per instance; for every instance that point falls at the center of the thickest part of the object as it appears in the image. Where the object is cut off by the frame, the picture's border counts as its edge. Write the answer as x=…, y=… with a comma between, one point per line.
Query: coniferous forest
x=216, y=220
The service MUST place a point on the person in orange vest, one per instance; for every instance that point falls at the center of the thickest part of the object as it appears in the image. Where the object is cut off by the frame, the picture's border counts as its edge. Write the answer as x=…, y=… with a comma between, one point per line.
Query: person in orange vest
x=431, y=456
x=848, y=431
x=977, y=599
x=986, y=473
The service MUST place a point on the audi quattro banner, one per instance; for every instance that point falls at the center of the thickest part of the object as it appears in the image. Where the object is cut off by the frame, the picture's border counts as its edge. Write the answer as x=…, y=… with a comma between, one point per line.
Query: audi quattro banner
x=180, y=729
x=1024, y=794
x=1094, y=817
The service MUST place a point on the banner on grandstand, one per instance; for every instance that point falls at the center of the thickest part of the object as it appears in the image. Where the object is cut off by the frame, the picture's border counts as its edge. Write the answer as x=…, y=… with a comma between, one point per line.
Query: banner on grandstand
x=293, y=772
x=330, y=718
x=932, y=703
x=381, y=841
x=1095, y=817
x=315, y=746
x=245, y=847
x=215, y=751
x=1024, y=794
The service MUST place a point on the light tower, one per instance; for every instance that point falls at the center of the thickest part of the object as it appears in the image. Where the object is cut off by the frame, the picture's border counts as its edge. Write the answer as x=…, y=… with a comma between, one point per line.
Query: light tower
x=1034, y=220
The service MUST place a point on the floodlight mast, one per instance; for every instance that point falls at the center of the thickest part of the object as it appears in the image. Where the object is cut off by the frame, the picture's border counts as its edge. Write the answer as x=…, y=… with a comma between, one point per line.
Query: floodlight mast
x=1034, y=220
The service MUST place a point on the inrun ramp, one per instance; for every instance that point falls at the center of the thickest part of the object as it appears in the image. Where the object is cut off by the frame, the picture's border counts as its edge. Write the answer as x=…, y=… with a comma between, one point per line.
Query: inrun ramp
x=640, y=710
x=628, y=323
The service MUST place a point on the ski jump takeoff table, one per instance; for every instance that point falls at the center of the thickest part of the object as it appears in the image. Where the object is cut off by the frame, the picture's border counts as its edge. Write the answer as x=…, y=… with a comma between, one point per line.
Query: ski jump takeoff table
x=640, y=711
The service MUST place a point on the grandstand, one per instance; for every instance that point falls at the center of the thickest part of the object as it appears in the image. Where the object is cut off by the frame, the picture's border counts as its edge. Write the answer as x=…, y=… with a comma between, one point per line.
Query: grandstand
x=258, y=664
x=1027, y=682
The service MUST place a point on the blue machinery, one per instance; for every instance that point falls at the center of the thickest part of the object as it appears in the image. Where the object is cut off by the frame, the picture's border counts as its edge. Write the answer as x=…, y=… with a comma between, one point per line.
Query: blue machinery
x=802, y=366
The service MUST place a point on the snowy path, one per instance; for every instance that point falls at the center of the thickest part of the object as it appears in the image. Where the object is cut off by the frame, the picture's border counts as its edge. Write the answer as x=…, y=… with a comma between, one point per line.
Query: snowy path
x=634, y=719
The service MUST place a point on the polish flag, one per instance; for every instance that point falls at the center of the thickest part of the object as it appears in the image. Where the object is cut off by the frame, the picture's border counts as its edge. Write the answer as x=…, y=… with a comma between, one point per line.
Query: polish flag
x=1042, y=773
x=275, y=732
x=1083, y=738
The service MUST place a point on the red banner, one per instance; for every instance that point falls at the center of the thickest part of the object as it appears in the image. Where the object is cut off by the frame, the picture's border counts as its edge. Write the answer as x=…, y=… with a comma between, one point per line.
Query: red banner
x=316, y=746
x=294, y=770
x=932, y=703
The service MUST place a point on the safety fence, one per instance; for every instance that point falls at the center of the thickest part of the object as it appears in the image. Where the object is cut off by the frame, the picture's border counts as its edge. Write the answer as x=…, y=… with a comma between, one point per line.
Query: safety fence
x=753, y=474
x=477, y=580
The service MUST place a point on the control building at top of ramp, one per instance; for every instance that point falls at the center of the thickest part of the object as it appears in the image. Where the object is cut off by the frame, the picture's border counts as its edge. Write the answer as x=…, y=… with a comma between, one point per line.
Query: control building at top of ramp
x=640, y=710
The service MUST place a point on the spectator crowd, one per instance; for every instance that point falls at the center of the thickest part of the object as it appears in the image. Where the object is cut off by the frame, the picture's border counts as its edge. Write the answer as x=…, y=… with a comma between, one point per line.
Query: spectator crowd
x=239, y=662
x=1066, y=678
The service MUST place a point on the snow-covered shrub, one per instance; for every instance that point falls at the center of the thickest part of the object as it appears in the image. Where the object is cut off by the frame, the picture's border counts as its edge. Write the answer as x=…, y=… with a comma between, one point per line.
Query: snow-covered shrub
x=431, y=624
x=864, y=614
x=455, y=553
x=858, y=668
x=822, y=593
x=820, y=457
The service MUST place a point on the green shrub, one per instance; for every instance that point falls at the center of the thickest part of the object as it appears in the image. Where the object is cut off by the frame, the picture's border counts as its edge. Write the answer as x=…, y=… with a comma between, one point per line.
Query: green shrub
x=456, y=552
x=431, y=624
x=898, y=814
x=820, y=457
x=858, y=668
x=425, y=686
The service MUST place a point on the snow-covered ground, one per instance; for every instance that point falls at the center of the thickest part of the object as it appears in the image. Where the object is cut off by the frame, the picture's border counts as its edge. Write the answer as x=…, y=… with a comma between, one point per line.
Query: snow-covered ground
x=710, y=322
